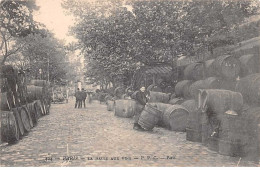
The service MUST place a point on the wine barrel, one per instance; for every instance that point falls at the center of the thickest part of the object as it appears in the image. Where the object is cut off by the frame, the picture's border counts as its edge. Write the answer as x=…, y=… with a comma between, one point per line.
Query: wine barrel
x=34, y=92
x=110, y=105
x=175, y=118
x=149, y=117
x=233, y=136
x=24, y=114
x=125, y=108
x=212, y=82
x=220, y=101
x=194, y=126
x=208, y=83
x=227, y=66
x=249, y=64
x=249, y=87
x=9, y=130
x=209, y=70
x=190, y=105
x=18, y=121
x=195, y=87
x=228, y=84
x=176, y=101
x=159, y=97
x=29, y=115
x=40, y=83
x=182, y=89
x=5, y=106
x=38, y=105
x=33, y=112
x=194, y=71
x=160, y=106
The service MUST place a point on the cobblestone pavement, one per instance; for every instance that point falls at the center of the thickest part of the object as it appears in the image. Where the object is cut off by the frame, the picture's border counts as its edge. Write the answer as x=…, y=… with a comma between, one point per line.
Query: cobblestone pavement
x=95, y=137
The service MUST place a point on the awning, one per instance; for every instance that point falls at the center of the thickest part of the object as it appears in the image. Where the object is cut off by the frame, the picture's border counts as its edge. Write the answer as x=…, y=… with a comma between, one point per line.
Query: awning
x=159, y=70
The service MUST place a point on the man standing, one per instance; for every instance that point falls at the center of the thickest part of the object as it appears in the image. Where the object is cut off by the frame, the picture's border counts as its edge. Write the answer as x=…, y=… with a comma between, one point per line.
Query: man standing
x=77, y=95
x=141, y=100
x=84, y=96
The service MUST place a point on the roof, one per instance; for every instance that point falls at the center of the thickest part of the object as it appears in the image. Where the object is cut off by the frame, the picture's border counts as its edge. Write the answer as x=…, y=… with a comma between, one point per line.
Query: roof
x=159, y=70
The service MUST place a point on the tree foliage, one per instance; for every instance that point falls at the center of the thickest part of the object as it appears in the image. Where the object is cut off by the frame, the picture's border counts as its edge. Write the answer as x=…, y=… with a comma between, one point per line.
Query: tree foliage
x=16, y=21
x=117, y=38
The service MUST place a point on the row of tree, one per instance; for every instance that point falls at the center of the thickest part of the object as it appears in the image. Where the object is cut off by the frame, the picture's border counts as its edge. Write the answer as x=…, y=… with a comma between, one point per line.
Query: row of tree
x=28, y=44
x=117, y=37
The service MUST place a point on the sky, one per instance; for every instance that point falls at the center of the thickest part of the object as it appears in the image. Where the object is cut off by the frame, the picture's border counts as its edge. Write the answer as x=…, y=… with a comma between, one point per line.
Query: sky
x=53, y=16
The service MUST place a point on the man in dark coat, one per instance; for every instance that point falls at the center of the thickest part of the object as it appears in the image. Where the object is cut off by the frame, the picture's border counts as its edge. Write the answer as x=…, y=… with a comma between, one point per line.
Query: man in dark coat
x=141, y=101
x=77, y=95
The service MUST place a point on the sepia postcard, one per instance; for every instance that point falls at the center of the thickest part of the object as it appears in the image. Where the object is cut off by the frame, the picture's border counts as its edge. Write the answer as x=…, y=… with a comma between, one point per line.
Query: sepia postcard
x=130, y=83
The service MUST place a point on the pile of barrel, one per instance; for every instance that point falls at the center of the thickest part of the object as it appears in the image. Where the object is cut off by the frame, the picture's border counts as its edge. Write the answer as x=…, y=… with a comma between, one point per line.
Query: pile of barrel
x=217, y=104
x=21, y=106
x=223, y=98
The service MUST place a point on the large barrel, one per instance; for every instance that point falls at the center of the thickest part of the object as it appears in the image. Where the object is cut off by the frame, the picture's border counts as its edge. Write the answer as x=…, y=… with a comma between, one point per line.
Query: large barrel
x=194, y=71
x=159, y=97
x=125, y=108
x=249, y=64
x=29, y=115
x=212, y=82
x=160, y=106
x=228, y=84
x=190, y=105
x=209, y=70
x=238, y=135
x=38, y=105
x=227, y=66
x=9, y=130
x=195, y=87
x=182, y=89
x=34, y=92
x=24, y=114
x=208, y=83
x=149, y=117
x=110, y=105
x=176, y=101
x=33, y=112
x=18, y=121
x=40, y=83
x=194, y=126
x=175, y=118
x=220, y=101
x=249, y=87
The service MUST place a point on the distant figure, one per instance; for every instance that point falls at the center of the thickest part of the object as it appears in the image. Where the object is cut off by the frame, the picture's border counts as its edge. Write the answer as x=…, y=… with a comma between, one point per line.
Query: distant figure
x=77, y=95
x=141, y=101
x=89, y=97
x=84, y=96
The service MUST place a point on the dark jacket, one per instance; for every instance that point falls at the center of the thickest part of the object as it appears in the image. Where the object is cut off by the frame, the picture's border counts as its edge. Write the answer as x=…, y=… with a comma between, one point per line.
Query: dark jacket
x=78, y=95
x=84, y=95
x=141, y=98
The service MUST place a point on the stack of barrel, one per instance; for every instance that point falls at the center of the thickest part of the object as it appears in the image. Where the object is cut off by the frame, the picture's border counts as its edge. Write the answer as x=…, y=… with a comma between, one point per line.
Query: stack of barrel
x=39, y=93
x=214, y=93
x=17, y=116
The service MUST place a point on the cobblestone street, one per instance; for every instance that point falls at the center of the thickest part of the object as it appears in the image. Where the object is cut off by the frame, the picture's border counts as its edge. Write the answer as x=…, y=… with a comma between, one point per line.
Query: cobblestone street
x=95, y=137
